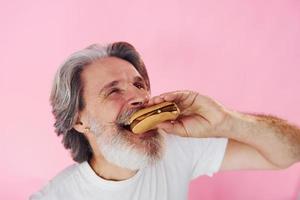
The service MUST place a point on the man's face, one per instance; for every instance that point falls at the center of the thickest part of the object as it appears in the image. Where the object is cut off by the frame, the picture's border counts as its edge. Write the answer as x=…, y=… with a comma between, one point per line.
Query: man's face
x=113, y=89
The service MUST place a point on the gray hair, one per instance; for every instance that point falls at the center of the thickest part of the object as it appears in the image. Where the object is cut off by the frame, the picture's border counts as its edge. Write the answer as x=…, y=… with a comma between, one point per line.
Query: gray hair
x=66, y=96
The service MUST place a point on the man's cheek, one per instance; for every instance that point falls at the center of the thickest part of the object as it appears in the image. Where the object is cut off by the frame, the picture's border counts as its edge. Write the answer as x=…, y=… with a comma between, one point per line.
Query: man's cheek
x=110, y=113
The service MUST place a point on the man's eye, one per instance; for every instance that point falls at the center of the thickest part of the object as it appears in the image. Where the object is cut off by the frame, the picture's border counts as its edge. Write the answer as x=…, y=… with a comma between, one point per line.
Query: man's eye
x=139, y=85
x=115, y=90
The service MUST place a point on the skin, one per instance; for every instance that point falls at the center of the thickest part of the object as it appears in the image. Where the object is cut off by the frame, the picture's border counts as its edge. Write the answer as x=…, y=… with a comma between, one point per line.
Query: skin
x=104, y=104
x=255, y=142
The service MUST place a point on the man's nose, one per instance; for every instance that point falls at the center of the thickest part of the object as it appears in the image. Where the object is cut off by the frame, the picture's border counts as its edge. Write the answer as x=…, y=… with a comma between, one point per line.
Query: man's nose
x=138, y=99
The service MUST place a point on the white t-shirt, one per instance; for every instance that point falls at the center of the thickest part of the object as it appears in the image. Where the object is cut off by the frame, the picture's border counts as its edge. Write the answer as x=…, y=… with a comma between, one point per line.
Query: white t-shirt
x=184, y=159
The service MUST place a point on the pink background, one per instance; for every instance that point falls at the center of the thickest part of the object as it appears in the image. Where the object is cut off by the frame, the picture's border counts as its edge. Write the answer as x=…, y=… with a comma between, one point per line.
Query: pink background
x=245, y=54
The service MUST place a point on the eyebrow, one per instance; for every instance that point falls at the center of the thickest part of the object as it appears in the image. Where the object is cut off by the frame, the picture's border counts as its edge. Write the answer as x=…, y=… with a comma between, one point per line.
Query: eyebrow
x=116, y=82
x=138, y=79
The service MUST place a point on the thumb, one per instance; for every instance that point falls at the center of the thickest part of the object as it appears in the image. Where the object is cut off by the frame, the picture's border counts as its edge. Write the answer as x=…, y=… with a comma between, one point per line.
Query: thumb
x=173, y=127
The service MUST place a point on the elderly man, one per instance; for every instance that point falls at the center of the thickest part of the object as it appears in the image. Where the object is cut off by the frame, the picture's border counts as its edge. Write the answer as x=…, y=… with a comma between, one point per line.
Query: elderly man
x=94, y=93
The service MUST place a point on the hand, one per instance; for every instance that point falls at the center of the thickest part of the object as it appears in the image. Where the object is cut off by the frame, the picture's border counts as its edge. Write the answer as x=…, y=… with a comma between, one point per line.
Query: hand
x=200, y=116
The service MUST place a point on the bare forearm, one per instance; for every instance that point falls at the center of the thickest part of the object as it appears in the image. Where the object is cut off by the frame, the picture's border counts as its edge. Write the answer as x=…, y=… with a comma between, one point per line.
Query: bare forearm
x=277, y=140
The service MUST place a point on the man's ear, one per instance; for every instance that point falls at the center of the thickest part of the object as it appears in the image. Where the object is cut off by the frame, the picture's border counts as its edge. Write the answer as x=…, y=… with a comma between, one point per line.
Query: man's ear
x=80, y=125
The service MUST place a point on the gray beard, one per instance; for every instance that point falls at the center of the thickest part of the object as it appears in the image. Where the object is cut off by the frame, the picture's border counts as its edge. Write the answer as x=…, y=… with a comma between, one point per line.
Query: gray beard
x=116, y=147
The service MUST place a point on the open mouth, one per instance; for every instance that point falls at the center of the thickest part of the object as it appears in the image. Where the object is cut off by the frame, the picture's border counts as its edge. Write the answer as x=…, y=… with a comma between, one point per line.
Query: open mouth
x=123, y=119
x=125, y=126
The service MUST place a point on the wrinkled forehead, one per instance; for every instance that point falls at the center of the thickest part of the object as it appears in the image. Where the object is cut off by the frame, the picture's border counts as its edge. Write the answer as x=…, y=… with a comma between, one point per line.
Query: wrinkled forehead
x=106, y=70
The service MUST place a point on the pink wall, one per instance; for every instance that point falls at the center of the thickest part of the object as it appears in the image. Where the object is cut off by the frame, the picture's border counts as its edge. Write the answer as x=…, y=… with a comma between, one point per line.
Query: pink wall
x=246, y=54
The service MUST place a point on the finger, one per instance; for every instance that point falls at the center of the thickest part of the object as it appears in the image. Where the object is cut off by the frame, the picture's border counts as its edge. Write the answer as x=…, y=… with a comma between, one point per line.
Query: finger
x=150, y=102
x=173, y=127
x=169, y=96
x=177, y=96
x=182, y=97
x=155, y=100
x=158, y=100
x=196, y=126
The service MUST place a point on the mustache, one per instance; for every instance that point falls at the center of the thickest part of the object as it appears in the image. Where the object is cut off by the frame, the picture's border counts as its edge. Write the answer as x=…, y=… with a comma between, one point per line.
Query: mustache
x=123, y=118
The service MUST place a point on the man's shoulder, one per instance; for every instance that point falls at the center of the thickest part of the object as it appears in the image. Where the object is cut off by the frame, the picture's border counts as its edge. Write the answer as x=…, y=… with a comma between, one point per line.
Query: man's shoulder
x=66, y=173
x=59, y=183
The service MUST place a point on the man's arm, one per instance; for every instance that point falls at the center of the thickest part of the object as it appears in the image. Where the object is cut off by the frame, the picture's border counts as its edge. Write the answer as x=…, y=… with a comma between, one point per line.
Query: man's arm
x=240, y=156
x=255, y=141
x=260, y=142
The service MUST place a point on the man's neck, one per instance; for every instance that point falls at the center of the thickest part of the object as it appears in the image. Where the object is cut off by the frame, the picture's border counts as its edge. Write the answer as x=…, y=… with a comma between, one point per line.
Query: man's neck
x=109, y=171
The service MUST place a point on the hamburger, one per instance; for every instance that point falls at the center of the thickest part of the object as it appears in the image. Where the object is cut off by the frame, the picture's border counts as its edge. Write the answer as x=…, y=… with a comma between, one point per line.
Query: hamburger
x=147, y=118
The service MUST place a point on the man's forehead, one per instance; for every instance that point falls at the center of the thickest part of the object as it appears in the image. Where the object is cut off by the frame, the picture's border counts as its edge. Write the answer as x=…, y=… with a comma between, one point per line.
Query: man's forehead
x=109, y=69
